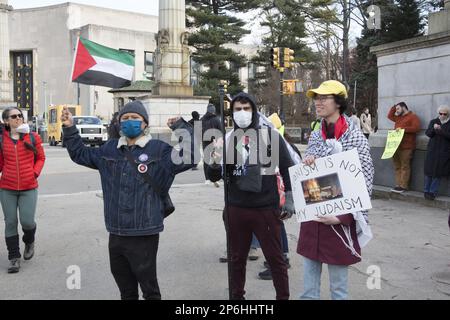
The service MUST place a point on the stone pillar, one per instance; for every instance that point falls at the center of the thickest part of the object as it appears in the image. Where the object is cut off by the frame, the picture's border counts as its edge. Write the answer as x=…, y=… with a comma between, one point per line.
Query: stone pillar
x=172, y=54
x=439, y=21
x=5, y=64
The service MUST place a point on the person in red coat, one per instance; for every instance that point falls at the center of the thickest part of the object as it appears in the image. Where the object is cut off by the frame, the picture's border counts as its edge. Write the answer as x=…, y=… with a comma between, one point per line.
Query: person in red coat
x=334, y=240
x=21, y=161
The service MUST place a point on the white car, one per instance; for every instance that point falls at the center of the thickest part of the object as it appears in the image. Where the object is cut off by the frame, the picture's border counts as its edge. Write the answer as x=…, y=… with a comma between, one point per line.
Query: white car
x=91, y=130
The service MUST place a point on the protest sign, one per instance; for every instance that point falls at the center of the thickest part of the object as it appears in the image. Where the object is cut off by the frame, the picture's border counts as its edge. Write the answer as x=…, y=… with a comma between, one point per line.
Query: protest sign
x=332, y=186
x=394, y=138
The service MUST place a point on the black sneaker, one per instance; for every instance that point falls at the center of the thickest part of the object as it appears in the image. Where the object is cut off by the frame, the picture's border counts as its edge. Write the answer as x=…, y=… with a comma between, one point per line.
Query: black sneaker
x=287, y=263
x=398, y=190
x=14, y=265
x=265, y=275
x=29, y=251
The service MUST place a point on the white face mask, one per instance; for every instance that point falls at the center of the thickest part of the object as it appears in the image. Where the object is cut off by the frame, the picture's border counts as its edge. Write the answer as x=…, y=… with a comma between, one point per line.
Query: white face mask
x=23, y=128
x=243, y=118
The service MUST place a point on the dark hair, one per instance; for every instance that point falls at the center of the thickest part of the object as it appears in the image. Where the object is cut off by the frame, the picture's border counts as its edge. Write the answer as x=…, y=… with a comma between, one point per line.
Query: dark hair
x=341, y=101
x=243, y=100
x=195, y=115
x=403, y=105
x=5, y=116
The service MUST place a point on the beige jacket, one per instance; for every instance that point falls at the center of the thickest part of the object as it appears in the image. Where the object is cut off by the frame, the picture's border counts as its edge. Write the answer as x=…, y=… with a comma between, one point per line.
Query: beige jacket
x=366, y=123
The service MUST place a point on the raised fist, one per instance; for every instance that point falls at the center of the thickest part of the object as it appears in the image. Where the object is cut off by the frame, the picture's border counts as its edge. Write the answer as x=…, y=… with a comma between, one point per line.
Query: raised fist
x=66, y=117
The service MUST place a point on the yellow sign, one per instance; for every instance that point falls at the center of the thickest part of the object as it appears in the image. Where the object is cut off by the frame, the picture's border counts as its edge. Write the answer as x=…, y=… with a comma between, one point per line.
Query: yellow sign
x=393, y=141
x=289, y=87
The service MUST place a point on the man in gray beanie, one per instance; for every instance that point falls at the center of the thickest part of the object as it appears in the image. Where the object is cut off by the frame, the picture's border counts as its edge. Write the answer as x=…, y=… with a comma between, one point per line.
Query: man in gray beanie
x=209, y=121
x=137, y=173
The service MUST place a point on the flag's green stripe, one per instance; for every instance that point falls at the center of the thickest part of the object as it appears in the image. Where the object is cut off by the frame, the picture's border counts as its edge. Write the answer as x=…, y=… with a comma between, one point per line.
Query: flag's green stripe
x=98, y=50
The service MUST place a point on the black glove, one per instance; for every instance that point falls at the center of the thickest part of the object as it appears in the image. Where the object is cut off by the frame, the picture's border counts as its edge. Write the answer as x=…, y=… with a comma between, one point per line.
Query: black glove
x=288, y=209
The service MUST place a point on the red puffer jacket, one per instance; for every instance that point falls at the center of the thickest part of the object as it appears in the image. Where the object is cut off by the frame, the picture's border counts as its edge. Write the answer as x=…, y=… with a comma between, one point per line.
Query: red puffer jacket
x=17, y=164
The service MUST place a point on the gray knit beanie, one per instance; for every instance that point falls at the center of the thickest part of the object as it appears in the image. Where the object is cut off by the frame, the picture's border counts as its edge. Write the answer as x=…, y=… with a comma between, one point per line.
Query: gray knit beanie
x=134, y=107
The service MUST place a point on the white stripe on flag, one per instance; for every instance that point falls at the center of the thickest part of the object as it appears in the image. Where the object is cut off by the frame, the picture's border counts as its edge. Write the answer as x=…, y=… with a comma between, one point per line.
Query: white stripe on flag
x=116, y=68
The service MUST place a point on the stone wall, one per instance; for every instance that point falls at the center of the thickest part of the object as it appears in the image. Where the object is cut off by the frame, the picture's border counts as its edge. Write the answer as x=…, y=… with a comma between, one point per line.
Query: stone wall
x=416, y=71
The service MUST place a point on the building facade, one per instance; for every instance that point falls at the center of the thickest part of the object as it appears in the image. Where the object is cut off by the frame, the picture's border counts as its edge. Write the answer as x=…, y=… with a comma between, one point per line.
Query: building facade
x=42, y=45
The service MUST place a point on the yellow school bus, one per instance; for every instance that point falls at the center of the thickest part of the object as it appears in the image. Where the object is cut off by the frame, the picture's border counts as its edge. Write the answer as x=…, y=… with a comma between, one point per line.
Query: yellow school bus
x=54, y=127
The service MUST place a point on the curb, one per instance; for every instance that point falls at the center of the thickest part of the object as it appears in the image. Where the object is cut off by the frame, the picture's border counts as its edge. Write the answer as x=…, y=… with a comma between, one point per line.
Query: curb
x=381, y=192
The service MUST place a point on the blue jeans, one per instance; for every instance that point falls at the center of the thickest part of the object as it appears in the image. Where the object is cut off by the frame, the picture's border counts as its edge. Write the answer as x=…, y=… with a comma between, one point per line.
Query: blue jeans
x=312, y=272
x=431, y=185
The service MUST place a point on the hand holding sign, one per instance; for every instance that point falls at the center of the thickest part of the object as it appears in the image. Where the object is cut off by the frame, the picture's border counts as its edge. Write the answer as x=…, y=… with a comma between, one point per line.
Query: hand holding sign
x=329, y=221
x=309, y=160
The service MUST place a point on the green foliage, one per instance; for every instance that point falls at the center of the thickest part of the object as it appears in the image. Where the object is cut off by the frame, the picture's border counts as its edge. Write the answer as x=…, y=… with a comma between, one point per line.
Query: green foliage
x=214, y=24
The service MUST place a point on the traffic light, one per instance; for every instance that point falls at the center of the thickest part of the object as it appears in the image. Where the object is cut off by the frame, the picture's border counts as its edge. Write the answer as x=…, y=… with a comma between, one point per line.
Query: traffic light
x=223, y=85
x=275, y=58
x=288, y=57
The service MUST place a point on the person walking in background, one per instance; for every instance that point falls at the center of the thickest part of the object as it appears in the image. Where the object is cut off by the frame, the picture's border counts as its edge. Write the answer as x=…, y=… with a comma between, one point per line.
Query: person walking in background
x=21, y=161
x=195, y=117
x=408, y=120
x=209, y=121
x=354, y=118
x=366, y=123
x=114, y=127
x=437, y=161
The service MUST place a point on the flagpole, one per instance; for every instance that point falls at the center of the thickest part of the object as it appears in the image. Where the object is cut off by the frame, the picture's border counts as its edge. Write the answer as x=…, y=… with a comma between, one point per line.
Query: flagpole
x=225, y=183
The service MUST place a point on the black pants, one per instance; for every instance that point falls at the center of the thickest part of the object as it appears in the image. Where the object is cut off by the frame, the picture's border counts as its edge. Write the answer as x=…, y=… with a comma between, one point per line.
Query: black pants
x=133, y=262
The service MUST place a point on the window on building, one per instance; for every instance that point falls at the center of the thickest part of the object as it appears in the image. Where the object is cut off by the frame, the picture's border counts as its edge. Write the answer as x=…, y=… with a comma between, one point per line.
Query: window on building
x=234, y=67
x=52, y=116
x=149, y=64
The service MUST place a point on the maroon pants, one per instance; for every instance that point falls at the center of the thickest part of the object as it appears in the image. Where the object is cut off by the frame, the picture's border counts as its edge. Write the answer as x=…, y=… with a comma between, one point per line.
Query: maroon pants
x=266, y=225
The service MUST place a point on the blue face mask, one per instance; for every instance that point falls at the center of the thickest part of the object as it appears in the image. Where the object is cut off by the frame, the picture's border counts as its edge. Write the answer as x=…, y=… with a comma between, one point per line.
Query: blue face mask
x=131, y=128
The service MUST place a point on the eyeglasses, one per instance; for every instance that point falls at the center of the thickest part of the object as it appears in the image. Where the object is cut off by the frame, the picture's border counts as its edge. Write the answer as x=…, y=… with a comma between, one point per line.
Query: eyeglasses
x=15, y=116
x=322, y=98
x=442, y=114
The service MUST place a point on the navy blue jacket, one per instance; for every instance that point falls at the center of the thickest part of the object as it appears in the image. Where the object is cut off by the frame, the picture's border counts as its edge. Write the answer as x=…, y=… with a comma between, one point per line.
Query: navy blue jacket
x=131, y=206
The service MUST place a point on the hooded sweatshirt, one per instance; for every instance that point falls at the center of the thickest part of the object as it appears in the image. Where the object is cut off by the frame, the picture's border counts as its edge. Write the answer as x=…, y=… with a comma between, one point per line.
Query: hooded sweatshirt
x=240, y=177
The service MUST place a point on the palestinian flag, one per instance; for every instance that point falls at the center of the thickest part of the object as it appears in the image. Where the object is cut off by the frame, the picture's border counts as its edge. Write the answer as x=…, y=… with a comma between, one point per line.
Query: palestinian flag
x=98, y=65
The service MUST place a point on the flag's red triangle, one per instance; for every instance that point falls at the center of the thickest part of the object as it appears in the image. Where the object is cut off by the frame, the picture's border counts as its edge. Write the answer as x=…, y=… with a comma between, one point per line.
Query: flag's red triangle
x=83, y=61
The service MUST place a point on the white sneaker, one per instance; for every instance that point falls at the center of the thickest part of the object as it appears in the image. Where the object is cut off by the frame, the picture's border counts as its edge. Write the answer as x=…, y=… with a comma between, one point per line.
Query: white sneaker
x=208, y=182
x=217, y=184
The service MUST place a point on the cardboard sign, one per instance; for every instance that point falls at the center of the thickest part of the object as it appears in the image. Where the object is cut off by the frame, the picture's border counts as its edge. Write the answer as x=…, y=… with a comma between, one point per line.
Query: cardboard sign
x=394, y=139
x=332, y=186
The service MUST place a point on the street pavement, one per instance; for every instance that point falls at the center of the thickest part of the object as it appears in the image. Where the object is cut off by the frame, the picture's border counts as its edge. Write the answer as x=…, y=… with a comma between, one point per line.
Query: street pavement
x=410, y=249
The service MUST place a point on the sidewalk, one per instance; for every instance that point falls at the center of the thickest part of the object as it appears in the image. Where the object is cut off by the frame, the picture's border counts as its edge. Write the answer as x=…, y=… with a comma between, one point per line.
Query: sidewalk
x=411, y=246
